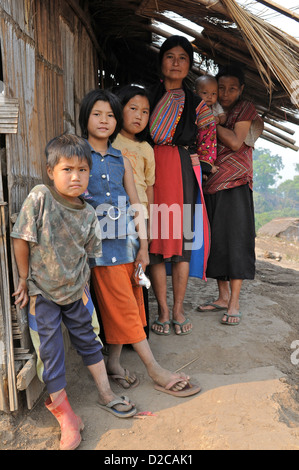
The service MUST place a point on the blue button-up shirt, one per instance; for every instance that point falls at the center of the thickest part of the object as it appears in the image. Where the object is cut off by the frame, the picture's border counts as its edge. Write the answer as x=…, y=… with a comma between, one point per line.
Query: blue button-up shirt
x=107, y=195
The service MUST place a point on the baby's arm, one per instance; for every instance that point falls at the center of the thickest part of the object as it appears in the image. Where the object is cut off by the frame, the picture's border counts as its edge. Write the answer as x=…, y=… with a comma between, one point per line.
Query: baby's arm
x=21, y=251
x=221, y=119
x=129, y=185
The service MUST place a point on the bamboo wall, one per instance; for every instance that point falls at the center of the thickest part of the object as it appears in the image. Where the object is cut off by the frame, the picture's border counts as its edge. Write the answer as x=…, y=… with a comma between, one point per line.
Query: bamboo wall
x=49, y=63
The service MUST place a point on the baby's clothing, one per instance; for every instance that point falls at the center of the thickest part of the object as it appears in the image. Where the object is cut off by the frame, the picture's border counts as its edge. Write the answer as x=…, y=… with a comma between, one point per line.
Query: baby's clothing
x=217, y=109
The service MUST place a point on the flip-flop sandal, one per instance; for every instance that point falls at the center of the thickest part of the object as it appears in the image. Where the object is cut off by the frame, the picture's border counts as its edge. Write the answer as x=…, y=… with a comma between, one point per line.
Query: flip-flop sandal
x=187, y=391
x=161, y=333
x=119, y=379
x=226, y=322
x=181, y=325
x=216, y=308
x=110, y=407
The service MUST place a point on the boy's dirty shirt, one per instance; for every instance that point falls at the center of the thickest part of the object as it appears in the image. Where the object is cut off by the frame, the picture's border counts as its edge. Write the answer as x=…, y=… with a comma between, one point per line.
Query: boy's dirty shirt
x=61, y=236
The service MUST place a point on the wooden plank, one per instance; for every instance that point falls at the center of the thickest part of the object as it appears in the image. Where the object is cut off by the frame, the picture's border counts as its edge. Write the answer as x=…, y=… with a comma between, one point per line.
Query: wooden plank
x=9, y=112
x=8, y=128
x=202, y=41
x=34, y=391
x=68, y=44
x=281, y=136
x=86, y=22
x=279, y=126
x=27, y=373
x=4, y=405
x=280, y=9
x=5, y=294
x=276, y=140
x=18, y=53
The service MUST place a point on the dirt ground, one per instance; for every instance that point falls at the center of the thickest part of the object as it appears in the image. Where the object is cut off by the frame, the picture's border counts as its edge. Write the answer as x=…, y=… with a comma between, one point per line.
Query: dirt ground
x=249, y=377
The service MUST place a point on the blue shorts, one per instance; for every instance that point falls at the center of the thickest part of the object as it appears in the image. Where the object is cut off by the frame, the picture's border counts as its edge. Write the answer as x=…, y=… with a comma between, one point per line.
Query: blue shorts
x=45, y=325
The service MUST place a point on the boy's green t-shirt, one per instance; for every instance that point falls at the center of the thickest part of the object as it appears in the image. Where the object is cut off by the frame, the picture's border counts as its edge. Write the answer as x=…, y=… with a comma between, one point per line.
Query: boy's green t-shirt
x=61, y=237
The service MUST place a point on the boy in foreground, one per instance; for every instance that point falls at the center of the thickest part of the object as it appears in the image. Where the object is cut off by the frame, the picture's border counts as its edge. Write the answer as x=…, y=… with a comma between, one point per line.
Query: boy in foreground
x=55, y=233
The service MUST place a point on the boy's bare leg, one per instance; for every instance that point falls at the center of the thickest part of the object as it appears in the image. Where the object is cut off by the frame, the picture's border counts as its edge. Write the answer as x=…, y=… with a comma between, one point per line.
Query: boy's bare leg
x=157, y=373
x=54, y=395
x=113, y=363
x=106, y=395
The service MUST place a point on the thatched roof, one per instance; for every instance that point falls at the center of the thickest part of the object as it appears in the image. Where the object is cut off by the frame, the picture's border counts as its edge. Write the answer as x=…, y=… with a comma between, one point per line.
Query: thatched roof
x=128, y=35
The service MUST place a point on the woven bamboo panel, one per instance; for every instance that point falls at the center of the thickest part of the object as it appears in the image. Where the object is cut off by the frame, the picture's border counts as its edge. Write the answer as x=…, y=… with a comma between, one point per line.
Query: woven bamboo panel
x=9, y=112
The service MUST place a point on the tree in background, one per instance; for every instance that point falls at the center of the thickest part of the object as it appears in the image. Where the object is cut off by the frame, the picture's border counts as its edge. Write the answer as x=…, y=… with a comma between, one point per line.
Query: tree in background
x=266, y=168
x=290, y=188
x=273, y=201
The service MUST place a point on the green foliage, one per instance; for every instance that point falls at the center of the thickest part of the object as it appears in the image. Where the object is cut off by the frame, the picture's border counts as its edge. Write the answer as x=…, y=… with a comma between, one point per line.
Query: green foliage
x=290, y=189
x=266, y=168
x=271, y=202
x=265, y=217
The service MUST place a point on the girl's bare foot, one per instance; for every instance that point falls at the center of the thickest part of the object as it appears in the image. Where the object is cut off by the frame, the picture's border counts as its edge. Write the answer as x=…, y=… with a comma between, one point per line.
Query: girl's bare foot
x=161, y=327
x=163, y=377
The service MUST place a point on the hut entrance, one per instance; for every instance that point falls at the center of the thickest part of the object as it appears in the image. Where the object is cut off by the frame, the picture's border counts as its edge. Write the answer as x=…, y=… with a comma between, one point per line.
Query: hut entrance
x=8, y=388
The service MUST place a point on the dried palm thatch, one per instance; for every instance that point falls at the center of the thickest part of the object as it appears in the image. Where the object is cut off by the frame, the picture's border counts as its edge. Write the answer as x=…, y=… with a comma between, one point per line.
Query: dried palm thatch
x=270, y=51
x=130, y=33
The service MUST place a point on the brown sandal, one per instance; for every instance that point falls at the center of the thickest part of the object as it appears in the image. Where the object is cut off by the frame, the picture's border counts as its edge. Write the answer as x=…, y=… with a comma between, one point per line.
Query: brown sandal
x=119, y=379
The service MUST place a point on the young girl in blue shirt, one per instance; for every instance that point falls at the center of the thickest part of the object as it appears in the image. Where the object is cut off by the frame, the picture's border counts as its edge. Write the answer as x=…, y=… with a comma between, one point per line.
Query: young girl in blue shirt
x=112, y=192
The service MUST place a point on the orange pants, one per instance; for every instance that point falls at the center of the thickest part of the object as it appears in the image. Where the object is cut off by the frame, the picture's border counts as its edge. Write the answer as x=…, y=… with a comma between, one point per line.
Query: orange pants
x=120, y=302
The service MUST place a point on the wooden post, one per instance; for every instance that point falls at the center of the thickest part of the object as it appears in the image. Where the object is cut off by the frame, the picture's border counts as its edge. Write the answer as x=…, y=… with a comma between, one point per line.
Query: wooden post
x=7, y=339
x=8, y=390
